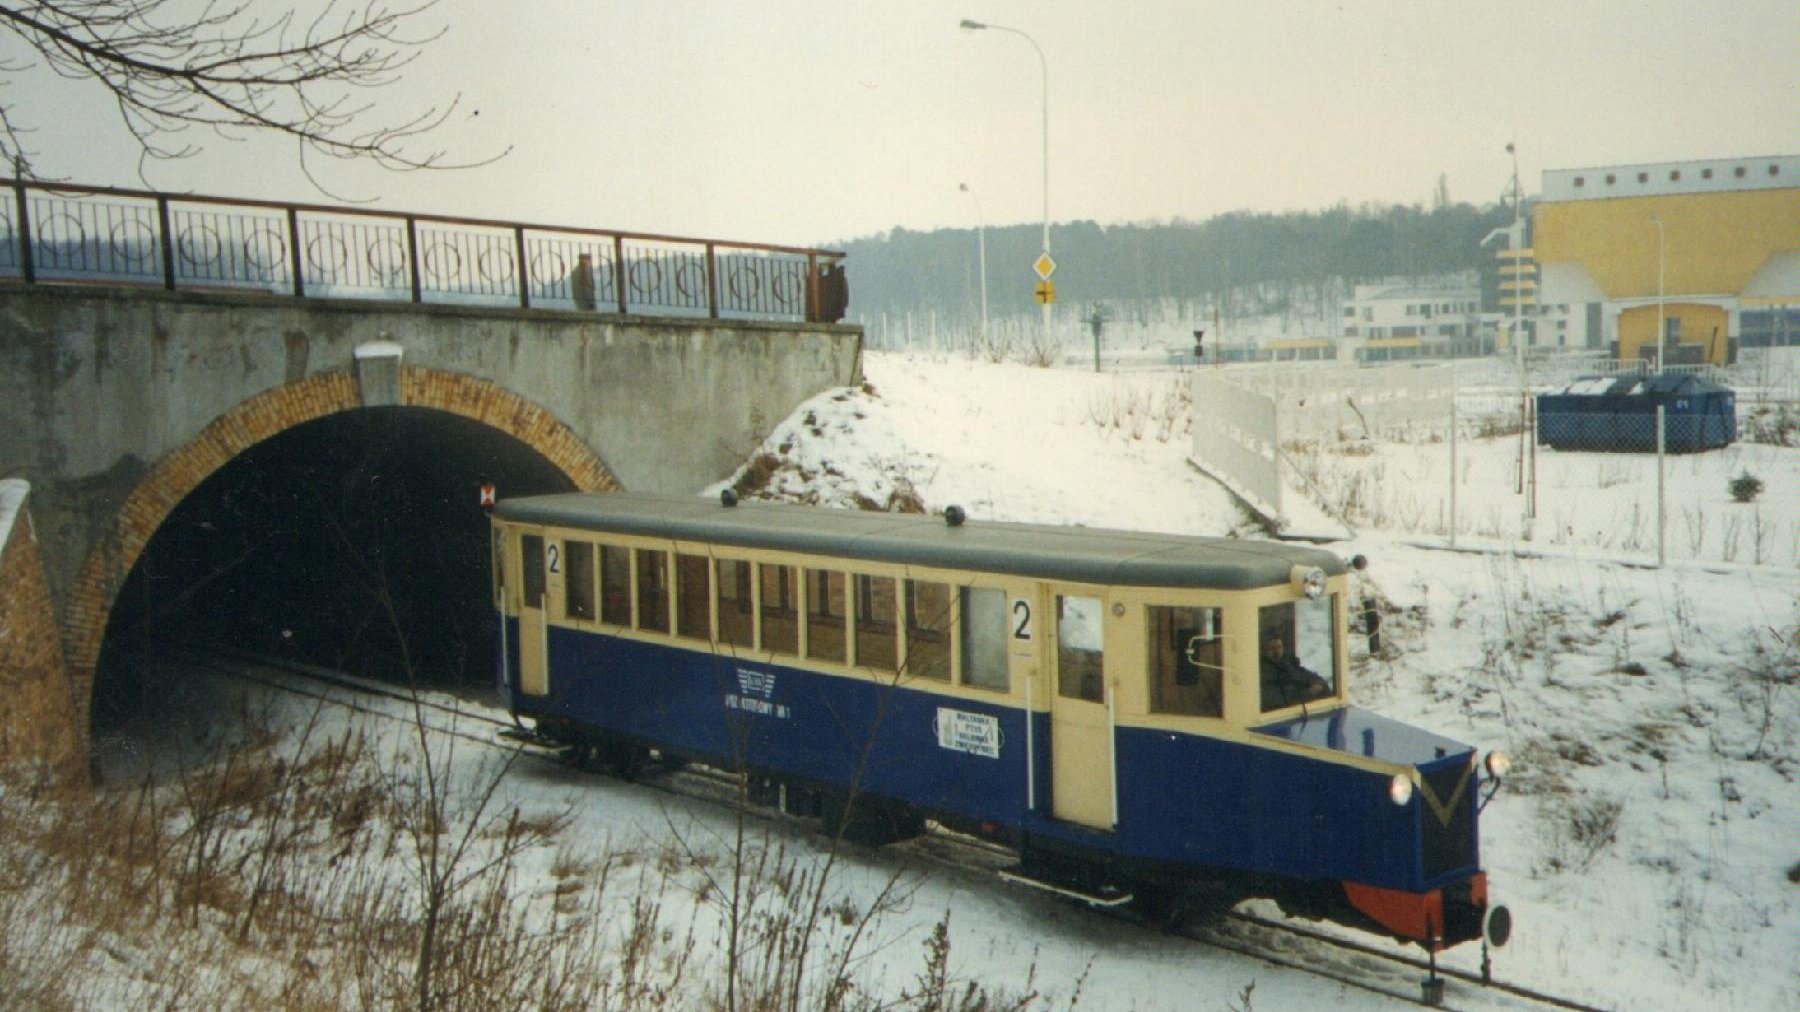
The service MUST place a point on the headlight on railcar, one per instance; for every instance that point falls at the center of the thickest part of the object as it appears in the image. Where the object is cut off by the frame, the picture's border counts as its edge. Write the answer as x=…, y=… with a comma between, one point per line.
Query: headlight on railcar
x=1310, y=580
x=1497, y=764
x=1400, y=789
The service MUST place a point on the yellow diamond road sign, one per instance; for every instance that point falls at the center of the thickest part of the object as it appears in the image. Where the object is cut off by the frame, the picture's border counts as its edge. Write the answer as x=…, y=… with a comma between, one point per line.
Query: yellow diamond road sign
x=1044, y=266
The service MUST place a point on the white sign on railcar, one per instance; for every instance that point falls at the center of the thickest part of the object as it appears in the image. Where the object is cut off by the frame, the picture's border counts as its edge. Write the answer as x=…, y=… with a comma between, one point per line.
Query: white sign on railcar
x=974, y=733
x=756, y=694
x=756, y=683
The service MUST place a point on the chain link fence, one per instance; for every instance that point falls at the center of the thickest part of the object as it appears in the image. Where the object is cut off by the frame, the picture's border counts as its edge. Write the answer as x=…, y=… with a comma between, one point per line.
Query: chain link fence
x=1562, y=454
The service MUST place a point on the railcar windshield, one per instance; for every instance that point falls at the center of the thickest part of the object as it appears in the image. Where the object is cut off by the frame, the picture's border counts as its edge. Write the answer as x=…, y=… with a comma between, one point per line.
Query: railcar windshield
x=1299, y=661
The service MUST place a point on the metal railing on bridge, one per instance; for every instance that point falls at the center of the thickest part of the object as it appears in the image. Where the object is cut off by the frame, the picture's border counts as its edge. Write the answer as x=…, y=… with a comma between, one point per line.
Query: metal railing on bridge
x=89, y=234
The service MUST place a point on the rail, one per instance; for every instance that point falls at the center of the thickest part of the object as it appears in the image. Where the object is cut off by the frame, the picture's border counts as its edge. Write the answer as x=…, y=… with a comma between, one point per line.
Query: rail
x=62, y=233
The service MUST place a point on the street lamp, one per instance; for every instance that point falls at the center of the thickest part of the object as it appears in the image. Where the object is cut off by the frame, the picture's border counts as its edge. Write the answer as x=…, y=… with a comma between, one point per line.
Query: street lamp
x=1661, y=326
x=1044, y=68
x=981, y=246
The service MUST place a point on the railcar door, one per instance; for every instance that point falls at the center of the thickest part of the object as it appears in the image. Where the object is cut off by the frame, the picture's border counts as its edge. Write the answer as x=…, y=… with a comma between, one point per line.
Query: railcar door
x=1081, y=745
x=534, y=561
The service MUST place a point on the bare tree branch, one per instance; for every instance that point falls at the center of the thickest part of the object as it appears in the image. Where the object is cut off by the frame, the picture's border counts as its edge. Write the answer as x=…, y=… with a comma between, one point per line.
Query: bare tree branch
x=174, y=66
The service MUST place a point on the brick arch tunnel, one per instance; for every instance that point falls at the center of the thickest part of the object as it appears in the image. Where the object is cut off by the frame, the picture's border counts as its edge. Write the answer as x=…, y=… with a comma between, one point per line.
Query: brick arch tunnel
x=308, y=524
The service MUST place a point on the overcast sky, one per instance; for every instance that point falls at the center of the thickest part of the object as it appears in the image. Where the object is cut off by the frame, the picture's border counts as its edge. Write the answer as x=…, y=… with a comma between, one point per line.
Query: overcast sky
x=812, y=121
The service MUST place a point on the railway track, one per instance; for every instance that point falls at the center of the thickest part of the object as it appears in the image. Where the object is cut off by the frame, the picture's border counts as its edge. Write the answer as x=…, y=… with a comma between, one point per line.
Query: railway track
x=1344, y=961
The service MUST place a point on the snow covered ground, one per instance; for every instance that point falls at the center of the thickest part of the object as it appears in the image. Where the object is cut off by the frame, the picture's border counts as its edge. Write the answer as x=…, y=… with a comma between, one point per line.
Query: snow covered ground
x=1600, y=504
x=1647, y=842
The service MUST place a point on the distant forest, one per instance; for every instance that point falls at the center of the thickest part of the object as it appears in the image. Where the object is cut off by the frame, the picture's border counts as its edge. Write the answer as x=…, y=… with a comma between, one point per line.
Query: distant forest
x=1244, y=264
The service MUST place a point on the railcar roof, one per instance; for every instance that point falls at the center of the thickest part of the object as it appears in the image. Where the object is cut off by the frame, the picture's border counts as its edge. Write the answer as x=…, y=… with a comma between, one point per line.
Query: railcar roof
x=1071, y=554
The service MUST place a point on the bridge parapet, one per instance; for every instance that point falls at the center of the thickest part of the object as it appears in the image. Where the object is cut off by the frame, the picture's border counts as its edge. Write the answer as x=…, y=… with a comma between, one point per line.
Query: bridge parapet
x=86, y=234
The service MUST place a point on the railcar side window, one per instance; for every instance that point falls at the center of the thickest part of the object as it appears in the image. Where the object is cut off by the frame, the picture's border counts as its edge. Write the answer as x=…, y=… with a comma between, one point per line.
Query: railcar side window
x=731, y=579
x=825, y=615
x=1298, y=650
x=984, y=632
x=780, y=610
x=1186, y=658
x=578, y=580
x=531, y=553
x=876, y=639
x=928, y=630
x=615, y=585
x=1080, y=659
x=652, y=590
x=693, y=614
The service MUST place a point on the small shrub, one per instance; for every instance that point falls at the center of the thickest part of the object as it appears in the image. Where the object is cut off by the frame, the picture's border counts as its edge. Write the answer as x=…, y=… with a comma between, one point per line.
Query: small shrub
x=1745, y=487
x=1779, y=427
x=1580, y=830
x=757, y=475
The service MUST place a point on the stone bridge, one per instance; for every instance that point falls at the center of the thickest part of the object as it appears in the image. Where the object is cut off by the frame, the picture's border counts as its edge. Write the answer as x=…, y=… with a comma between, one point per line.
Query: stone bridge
x=142, y=426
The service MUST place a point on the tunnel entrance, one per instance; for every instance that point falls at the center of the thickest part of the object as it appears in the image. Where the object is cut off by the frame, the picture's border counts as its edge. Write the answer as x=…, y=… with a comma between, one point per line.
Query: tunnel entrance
x=355, y=542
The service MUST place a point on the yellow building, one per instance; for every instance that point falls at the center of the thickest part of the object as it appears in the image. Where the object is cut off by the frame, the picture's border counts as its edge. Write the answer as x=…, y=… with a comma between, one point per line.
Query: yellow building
x=1711, y=249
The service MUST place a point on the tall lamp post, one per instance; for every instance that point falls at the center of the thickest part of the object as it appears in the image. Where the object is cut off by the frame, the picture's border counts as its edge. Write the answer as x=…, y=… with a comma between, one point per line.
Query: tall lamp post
x=981, y=247
x=1661, y=260
x=1044, y=68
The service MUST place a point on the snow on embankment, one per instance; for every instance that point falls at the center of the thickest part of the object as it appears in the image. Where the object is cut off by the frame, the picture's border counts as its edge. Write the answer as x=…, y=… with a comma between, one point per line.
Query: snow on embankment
x=1005, y=442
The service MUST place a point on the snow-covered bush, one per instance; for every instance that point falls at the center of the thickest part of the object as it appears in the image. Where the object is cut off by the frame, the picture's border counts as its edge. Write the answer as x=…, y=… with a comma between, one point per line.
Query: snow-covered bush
x=1745, y=487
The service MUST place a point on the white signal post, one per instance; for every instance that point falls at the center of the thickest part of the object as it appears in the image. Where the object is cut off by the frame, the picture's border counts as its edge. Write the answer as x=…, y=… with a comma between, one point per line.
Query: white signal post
x=981, y=249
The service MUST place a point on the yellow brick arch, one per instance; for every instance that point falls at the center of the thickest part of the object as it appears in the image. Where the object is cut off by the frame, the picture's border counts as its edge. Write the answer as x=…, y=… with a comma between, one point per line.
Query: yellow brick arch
x=175, y=476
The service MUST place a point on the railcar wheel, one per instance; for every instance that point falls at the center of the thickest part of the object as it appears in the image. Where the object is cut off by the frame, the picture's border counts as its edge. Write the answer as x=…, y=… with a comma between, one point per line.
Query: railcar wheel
x=585, y=757
x=764, y=792
x=1172, y=908
x=1160, y=910
x=870, y=822
x=1168, y=911
x=626, y=762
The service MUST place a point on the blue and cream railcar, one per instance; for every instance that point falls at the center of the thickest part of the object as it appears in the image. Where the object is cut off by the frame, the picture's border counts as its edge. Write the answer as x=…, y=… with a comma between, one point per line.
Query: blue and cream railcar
x=1095, y=698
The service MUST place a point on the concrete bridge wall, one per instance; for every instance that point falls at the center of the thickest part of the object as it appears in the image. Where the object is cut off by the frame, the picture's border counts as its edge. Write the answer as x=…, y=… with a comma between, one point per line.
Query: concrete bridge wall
x=115, y=403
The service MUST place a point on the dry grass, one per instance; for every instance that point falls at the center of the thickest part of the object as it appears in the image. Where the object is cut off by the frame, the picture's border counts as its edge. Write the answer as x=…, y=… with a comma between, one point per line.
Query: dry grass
x=286, y=872
x=260, y=878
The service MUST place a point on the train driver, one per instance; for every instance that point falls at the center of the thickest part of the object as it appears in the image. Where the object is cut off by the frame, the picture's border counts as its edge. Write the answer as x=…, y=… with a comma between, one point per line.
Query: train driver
x=1284, y=680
